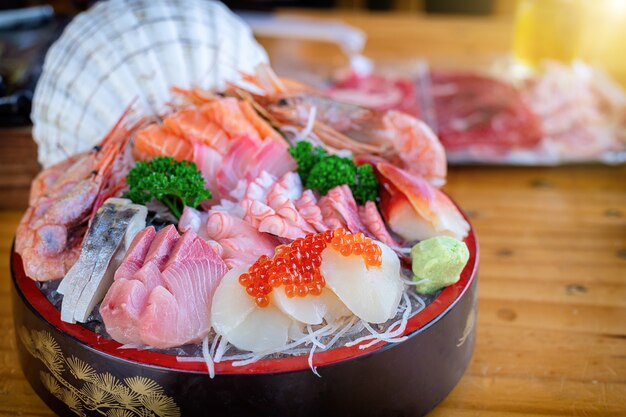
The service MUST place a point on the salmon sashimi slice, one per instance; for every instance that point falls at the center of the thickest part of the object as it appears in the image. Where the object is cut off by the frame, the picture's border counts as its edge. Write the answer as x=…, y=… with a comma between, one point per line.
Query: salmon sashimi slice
x=227, y=114
x=155, y=140
x=195, y=126
x=262, y=127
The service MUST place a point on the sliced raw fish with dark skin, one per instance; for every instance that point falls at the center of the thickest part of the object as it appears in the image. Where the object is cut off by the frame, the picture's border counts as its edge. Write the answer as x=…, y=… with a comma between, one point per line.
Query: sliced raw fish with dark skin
x=87, y=281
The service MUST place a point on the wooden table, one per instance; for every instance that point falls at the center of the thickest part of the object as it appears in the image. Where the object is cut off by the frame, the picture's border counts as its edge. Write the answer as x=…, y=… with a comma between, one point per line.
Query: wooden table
x=551, y=333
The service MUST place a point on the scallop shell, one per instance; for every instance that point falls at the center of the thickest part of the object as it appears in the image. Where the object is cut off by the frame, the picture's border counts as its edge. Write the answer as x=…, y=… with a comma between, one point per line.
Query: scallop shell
x=123, y=52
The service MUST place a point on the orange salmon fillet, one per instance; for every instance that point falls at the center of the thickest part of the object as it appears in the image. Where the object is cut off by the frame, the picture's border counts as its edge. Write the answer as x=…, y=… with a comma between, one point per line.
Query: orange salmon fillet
x=193, y=125
x=156, y=140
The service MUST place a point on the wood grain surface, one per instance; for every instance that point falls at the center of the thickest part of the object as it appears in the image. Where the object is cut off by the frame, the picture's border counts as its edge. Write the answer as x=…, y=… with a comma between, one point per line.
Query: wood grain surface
x=551, y=332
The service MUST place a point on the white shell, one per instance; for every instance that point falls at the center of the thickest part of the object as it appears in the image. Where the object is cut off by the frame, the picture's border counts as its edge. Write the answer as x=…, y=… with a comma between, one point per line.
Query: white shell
x=133, y=51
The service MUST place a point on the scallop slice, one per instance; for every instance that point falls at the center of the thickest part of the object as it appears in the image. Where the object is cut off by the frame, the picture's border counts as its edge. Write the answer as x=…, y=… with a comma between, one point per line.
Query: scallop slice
x=231, y=304
x=263, y=329
x=311, y=309
x=235, y=316
x=372, y=294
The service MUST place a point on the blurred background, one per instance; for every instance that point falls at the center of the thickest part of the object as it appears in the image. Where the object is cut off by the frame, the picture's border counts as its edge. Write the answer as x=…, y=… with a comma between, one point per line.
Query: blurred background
x=479, y=7
x=464, y=35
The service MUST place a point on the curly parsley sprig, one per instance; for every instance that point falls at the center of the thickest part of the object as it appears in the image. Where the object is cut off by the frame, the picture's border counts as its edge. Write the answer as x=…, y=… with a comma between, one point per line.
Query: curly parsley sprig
x=174, y=183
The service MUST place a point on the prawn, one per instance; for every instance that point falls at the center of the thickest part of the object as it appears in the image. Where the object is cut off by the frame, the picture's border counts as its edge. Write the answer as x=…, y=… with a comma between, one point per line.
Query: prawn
x=395, y=136
x=64, y=198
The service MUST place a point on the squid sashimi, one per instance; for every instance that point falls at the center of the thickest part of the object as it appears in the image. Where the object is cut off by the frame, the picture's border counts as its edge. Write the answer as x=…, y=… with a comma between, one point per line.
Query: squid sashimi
x=322, y=277
x=416, y=210
x=166, y=302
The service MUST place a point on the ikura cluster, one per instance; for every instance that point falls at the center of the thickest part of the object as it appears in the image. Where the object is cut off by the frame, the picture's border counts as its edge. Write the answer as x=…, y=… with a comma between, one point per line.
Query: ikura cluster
x=296, y=267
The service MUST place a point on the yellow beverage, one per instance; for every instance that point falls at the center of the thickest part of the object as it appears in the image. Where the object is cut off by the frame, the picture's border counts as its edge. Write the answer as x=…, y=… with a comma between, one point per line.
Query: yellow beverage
x=546, y=29
x=593, y=31
x=603, y=39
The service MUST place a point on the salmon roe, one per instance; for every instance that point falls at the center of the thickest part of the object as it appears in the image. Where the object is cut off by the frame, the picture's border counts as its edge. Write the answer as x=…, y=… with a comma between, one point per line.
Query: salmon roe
x=296, y=267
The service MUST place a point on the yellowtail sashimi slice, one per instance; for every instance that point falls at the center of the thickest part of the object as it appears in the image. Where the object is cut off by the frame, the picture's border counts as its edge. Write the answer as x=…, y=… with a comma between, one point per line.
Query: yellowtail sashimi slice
x=372, y=294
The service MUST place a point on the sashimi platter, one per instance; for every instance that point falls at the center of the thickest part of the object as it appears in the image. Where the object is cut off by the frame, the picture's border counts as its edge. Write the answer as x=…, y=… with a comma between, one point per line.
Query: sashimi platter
x=208, y=238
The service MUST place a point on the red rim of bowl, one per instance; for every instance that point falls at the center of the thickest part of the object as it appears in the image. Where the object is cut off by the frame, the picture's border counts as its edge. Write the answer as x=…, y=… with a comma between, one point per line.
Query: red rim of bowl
x=422, y=320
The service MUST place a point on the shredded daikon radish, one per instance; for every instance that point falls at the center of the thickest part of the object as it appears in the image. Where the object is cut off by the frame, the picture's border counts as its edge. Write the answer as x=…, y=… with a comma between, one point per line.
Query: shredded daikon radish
x=313, y=338
x=390, y=334
x=308, y=128
x=312, y=352
x=343, y=331
x=222, y=347
x=349, y=331
x=207, y=357
x=409, y=282
x=216, y=340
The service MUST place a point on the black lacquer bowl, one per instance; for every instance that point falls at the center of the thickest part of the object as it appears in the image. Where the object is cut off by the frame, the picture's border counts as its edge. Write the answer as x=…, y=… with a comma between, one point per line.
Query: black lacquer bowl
x=79, y=372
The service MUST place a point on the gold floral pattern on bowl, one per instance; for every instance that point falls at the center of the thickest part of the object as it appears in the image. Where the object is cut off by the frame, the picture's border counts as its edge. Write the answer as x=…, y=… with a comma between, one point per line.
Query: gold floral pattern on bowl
x=95, y=391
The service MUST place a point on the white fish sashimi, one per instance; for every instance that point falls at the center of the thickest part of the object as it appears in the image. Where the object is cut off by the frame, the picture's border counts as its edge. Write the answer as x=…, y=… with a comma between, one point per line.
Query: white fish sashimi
x=372, y=294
